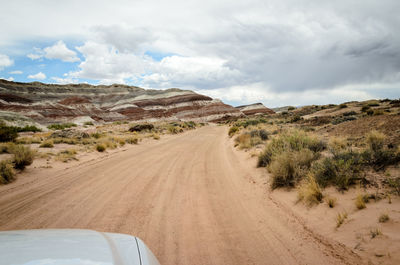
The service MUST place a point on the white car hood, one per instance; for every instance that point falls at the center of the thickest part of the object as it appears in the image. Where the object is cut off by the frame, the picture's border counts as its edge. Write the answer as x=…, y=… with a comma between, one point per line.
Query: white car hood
x=68, y=247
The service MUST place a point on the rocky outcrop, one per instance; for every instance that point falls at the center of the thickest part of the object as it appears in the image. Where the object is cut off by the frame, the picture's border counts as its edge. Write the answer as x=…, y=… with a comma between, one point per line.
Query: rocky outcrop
x=255, y=109
x=49, y=103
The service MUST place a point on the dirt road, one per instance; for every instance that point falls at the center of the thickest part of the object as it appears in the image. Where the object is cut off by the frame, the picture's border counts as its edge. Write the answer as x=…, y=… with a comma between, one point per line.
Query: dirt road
x=192, y=198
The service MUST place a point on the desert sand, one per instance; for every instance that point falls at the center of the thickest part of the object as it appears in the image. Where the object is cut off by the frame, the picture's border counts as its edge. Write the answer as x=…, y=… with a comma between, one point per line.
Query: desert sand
x=192, y=198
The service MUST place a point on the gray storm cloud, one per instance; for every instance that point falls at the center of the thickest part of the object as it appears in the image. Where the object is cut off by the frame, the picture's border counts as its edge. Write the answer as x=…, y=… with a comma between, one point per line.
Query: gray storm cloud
x=244, y=47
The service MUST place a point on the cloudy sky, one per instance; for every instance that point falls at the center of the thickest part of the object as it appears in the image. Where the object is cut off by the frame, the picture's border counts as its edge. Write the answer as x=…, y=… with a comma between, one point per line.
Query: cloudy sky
x=279, y=52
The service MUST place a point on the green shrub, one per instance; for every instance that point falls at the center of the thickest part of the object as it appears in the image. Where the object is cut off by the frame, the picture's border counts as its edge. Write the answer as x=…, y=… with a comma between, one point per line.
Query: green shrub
x=365, y=108
x=29, y=128
x=88, y=123
x=296, y=118
x=350, y=113
x=289, y=141
x=262, y=134
x=7, y=173
x=342, y=106
x=233, y=130
x=341, y=170
x=8, y=133
x=141, y=127
x=61, y=126
x=23, y=156
x=343, y=119
x=47, y=144
x=373, y=104
x=252, y=122
x=376, y=154
x=100, y=147
x=291, y=108
x=394, y=183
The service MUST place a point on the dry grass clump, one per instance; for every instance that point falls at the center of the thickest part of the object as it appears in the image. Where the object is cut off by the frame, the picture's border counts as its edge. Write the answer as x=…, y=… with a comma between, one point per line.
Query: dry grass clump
x=28, y=140
x=66, y=155
x=337, y=144
x=375, y=232
x=132, y=140
x=110, y=143
x=47, y=144
x=361, y=201
x=7, y=173
x=289, y=167
x=156, y=136
x=64, y=140
x=23, y=156
x=250, y=139
x=174, y=129
x=331, y=201
x=340, y=218
x=310, y=192
x=383, y=218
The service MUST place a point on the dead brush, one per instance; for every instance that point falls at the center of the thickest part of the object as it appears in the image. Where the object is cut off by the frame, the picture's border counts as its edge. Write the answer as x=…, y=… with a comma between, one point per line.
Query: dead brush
x=66, y=155
x=310, y=192
x=361, y=201
x=340, y=218
x=383, y=218
x=7, y=173
x=375, y=232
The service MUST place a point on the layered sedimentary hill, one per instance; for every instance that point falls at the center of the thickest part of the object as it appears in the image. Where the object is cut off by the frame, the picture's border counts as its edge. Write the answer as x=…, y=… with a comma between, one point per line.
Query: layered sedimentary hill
x=254, y=109
x=47, y=103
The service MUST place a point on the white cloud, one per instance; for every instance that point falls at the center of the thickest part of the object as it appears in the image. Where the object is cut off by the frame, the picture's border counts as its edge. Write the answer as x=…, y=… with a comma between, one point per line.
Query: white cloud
x=66, y=80
x=8, y=79
x=58, y=51
x=190, y=72
x=106, y=64
x=38, y=76
x=5, y=61
x=16, y=72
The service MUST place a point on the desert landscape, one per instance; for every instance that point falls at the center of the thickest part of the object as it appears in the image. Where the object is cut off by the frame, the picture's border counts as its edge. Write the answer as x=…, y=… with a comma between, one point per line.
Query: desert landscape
x=188, y=132
x=200, y=181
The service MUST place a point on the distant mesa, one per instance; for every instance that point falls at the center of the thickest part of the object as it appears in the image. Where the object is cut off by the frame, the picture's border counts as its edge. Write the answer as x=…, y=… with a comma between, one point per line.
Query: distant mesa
x=255, y=109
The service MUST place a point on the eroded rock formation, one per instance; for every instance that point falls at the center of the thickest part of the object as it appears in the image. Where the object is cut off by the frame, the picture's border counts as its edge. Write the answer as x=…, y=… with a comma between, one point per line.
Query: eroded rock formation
x=48, y=103
x=254, y=109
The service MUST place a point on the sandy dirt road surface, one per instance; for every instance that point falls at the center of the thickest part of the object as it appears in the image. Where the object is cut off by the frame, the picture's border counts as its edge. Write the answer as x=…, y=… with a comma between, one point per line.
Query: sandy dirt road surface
x=192, y=198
